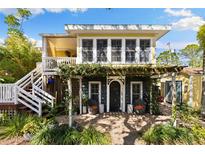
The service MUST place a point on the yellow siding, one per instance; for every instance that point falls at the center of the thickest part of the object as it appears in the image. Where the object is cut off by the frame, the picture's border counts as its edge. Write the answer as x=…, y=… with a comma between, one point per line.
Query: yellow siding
x=197, y=89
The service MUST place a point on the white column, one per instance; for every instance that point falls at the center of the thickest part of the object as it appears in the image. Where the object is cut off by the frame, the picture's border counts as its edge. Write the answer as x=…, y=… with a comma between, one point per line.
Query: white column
x=109, y=51
x=94, y=50
x=79, y=51
x=123, y=54
x=69, y=84
x=44, y=52
x=80, y=94
x=108, y=96
x=137, y=49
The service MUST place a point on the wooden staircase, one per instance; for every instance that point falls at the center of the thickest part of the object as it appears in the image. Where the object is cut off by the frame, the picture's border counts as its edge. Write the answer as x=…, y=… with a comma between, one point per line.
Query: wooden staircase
x=27, y=93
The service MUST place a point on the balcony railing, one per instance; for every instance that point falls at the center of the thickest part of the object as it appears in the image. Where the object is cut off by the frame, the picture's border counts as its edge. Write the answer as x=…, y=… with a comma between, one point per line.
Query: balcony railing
x=52, y=63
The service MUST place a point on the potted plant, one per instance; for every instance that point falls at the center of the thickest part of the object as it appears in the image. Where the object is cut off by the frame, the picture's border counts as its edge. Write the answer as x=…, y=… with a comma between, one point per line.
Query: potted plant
x=93, y=106
x=85, y=103
x=139, y=107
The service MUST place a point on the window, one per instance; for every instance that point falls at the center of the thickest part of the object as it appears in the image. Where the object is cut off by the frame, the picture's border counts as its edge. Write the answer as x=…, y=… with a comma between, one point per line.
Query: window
x=94, y=91
x=116, y=50
x=136, y=92
x=101, y=50
x=168, y=91
x=144, y=50
x=130, y=50
x=87, y=50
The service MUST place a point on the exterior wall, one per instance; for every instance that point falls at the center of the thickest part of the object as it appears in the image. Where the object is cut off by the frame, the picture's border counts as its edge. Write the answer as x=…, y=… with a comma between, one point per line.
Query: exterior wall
x=85, y=88
x=197, y=90
x=128, y=80
x=197, y=87
x=145, y=84
x=57, y=47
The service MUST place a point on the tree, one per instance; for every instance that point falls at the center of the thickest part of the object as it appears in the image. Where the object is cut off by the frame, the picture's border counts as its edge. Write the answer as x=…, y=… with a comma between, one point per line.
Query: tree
x=193, y=54
x=18, y=53
x=168, y=58
x=201, y=40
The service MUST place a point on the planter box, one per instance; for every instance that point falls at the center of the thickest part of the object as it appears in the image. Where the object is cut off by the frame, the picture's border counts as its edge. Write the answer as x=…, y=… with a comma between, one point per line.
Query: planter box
x=84, y=109
x=129, y=108
x=101, y=110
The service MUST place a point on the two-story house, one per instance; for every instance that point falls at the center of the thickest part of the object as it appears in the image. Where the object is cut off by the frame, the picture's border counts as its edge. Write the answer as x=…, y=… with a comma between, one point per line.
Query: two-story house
x=111, y=45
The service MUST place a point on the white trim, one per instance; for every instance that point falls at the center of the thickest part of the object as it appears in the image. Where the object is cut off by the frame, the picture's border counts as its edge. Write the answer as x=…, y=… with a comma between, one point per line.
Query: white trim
x=123, y=52
x=99, y=90
x=122, y=92
x=131, y=88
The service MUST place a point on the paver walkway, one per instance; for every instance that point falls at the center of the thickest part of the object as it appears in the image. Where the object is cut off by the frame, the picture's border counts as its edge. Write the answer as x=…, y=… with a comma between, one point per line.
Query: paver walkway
x=123, y=128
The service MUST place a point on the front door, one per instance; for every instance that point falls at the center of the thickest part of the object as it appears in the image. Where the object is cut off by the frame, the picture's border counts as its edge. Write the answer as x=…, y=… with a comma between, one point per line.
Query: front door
x=115, y=96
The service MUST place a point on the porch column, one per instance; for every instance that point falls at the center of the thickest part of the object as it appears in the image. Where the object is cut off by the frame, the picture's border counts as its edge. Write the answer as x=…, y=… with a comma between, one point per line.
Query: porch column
x=108, y=96
x=70, y=101
x=174, y=104
x=150, y=95
x=80, y=94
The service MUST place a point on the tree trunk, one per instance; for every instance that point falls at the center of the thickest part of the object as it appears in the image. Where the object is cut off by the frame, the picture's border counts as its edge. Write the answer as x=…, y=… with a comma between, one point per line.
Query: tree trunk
x=203, y=89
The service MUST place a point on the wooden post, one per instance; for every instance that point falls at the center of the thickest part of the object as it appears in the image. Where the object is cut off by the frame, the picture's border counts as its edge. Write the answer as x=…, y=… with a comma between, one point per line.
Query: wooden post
x=174, y=104
x=70, y=102
x=80, y=94
x=150, y=95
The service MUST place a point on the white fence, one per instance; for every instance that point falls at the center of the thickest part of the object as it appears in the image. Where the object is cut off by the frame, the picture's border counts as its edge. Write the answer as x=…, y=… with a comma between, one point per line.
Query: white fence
x=7, y=93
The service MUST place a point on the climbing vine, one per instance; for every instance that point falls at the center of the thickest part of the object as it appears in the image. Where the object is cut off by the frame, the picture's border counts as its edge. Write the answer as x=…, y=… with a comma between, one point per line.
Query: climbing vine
x=98, y=70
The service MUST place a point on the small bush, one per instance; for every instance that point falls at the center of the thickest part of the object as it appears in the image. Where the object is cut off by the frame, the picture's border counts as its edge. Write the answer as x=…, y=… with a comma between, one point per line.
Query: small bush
x=92, y=136
x=63, y=135
x=21, y=124
x=14, y=127
x=167, y=134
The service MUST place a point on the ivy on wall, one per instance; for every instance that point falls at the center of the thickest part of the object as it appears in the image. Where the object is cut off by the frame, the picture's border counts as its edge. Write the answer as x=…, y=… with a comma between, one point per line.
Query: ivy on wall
x=98, y=70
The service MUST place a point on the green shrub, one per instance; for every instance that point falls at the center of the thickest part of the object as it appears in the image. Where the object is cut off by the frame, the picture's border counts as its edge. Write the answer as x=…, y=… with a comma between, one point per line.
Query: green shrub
x=92, y=136
x=167, y=134
x=21, y=124
x=4, y=118
x=14, y=126
x=63, y=135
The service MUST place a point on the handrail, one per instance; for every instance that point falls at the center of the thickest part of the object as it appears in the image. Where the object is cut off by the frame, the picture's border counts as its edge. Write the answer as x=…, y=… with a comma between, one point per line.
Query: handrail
x=44, y=96
x=29, y=100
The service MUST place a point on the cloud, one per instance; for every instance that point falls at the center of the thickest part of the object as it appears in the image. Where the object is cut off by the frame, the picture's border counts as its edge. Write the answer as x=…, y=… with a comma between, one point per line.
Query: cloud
x=173, y=45
x=182, y=12
x=38, y=11
x=189, y=23
x=73, y=10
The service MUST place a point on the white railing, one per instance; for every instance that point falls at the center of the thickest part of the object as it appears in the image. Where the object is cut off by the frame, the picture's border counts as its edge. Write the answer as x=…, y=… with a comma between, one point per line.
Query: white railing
x=29, y=78
x=52, y=63
x=30, y=101
x=7, y=93
x=43, y=95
